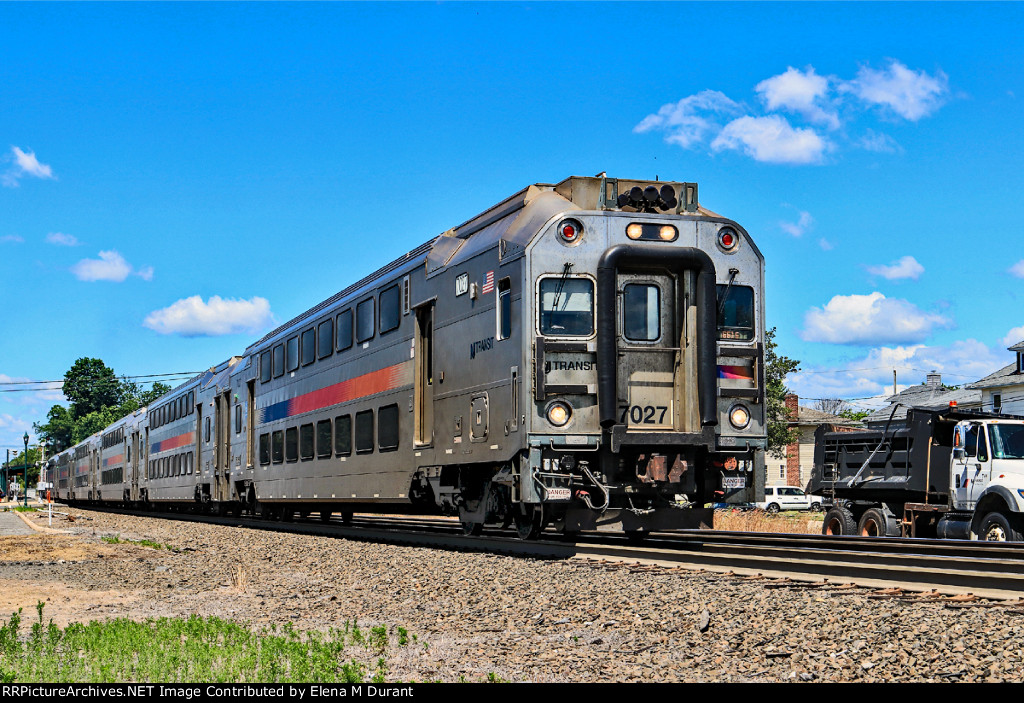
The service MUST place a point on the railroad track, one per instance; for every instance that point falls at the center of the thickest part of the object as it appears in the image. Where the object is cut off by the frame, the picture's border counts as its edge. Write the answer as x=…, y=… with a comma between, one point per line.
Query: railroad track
x=984, y=569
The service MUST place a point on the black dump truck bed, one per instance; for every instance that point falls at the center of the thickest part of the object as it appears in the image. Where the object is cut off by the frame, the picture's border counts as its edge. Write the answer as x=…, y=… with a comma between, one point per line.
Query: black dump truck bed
x=900, y=470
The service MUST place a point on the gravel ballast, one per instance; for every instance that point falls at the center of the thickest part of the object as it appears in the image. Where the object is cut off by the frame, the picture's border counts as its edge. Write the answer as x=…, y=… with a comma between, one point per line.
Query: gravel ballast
x=477, y=616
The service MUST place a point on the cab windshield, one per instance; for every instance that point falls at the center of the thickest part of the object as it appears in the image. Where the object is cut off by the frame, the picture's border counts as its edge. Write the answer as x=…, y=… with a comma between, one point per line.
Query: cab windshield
x=1007, y=441
x=567, y=307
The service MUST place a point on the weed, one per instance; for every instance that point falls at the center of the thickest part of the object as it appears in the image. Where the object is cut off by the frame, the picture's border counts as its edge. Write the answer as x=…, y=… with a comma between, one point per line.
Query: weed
x=185, y=649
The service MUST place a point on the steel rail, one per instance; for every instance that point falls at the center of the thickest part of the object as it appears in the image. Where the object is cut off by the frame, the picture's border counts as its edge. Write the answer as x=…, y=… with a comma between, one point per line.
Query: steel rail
x=987, y=570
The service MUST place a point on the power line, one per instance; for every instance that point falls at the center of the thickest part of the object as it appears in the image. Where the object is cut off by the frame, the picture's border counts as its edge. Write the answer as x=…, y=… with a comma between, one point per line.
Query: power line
x=126, y=378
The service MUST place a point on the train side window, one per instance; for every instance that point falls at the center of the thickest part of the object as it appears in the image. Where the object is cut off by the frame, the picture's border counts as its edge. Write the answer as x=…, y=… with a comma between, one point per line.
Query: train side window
x=343, y=435
x=364, y=432
x=323, y=439
x=238, y=419
x=306, y=442
x=735, y=312
x=504, y=308
x=566, y=306
x=390, y=309
x=291, y=354
x=325, y=338
x=345, y=330
x=641, y=312
x=364, y=320
x=265, y=449
x=191, y=402
x=387, y=428
x=278, y=360
x=291, y=444
x=277, y=446
x=265, y=367
x=207, y=429
x=308, y=347
x=191, y=463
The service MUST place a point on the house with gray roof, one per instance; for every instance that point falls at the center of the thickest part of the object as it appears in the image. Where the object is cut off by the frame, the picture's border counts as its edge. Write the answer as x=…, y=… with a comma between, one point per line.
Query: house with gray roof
x=1003, y=390
x=931, y=394
x=795, y=468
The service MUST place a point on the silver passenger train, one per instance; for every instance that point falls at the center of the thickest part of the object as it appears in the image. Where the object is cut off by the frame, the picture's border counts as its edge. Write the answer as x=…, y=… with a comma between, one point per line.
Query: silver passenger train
x=587, y=355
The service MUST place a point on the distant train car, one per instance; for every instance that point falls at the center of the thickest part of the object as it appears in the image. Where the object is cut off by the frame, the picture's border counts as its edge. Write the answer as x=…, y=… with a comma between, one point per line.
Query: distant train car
x=587, y=354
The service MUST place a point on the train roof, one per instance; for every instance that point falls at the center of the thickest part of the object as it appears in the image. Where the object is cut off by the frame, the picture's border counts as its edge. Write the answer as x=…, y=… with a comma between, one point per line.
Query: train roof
x=493, y=224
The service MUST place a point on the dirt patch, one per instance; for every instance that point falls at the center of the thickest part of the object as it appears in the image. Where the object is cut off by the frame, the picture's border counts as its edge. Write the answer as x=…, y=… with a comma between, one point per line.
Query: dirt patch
x=43, y=547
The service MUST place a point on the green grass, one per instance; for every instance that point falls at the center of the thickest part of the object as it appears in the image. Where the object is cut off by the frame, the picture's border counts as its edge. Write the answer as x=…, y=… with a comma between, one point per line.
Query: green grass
x=116, y=539
x=192, y=649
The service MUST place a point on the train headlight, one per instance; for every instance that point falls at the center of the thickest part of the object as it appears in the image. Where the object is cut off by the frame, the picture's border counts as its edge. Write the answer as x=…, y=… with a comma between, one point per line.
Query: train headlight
x=667, y=233
x=634, y=231
x=570, y=231
x=558, y=413
x=728, y=239
x=652, y=232
x=739, y=416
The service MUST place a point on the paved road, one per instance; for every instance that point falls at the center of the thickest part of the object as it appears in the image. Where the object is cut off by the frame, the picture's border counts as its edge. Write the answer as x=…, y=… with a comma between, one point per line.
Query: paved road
x=11, y=524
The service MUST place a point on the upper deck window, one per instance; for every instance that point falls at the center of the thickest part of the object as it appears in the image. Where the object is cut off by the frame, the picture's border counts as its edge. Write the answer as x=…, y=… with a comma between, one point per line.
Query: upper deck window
x=567, y=306
x=735, y=313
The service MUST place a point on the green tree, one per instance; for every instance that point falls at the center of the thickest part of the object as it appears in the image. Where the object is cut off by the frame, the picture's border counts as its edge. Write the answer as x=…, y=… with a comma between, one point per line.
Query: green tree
x=90, y=386
x=58, y=430
x=851, y=414
x=97, y=399
x=776, y=368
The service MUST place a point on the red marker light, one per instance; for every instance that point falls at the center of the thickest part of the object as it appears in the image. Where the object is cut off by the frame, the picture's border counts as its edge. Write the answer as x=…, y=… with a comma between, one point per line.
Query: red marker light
x=570, y=230
x=728, y=240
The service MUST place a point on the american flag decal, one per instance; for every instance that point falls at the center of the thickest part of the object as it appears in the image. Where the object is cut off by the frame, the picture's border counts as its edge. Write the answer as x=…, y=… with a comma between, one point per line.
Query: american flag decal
x=488, y=282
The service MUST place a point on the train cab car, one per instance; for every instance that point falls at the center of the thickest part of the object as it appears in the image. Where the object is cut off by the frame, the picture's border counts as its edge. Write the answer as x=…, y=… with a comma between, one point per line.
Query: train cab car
x=586, y=354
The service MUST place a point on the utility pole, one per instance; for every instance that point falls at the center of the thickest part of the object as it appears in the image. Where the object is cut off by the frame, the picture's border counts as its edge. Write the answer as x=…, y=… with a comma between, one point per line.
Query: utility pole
x=894, y=381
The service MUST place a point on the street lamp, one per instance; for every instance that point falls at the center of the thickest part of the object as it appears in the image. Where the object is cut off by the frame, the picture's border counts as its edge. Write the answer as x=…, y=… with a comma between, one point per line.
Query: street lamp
x=26, y=470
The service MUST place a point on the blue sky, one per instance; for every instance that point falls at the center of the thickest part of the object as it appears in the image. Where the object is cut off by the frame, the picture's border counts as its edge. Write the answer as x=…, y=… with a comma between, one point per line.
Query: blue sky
x=176, y=178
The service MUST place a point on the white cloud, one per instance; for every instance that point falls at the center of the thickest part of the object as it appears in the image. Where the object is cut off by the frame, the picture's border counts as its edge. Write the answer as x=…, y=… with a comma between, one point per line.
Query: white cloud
x=24, y=164
x=1018, y=269
x=798, y=228
x=906, y=267
x=191, y=317
x=12, y=238
x=869, y=378
x=878, y=142
x=825, y=244
x=805, y=93
x=772, y=139
x=1013, y=336
x=61, y=239
x=111, y=266
x=910, y=94
x=687, y=122
x=870, y=319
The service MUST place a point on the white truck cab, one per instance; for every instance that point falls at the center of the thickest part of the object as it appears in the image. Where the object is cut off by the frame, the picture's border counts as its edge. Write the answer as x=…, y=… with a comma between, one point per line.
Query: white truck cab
x=988, y=458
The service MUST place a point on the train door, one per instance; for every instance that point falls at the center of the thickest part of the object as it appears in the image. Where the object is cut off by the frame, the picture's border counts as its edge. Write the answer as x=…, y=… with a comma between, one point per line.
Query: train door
x=655, y=352
x=423, y=380
x=222, y=446
x=250, y=421
x=133, y=461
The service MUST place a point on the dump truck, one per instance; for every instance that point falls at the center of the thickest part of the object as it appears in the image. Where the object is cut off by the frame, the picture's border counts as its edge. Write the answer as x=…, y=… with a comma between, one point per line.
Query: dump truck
x=946, y=473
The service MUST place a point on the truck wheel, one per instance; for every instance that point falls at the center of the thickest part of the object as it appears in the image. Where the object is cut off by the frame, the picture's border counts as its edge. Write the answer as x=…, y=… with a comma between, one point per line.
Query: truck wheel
x=996, y=527
x=816, y=507
x=874, y=523
x=772, y=508
x=838, y=521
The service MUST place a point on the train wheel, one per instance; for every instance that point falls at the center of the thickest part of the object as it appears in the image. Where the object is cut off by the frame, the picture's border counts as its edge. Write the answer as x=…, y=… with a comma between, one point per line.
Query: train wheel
x=473, y=529
x=838, y=521
x=996, y=527
x=529, y=521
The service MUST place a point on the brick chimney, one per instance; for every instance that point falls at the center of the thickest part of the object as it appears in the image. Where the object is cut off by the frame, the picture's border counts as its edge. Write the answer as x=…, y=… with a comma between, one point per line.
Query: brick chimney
x=793, y=450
